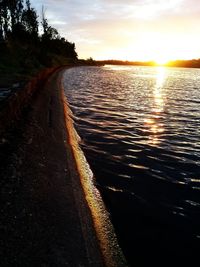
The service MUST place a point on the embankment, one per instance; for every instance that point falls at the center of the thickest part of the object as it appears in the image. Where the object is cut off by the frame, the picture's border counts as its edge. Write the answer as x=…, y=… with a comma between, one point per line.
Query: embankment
x=51, y=213
x=11, y=109
x=80, y=169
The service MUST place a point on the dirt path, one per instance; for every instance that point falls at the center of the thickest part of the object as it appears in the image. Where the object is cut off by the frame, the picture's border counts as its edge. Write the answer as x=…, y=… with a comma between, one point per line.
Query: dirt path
x=39, y=217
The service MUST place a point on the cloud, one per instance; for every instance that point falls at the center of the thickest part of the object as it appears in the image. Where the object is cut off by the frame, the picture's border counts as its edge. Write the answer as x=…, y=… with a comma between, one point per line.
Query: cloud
x=97, y=25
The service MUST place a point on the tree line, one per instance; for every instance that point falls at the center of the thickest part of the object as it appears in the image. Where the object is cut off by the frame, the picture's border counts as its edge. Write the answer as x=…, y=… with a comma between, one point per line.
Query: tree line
x=20, y=42
x=193, y=63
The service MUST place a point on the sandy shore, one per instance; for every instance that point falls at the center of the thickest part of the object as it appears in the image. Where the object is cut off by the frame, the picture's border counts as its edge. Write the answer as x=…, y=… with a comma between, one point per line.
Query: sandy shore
x=40, y=221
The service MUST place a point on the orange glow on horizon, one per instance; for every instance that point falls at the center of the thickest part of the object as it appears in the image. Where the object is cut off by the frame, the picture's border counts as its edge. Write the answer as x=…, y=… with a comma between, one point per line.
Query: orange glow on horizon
x=155, y=47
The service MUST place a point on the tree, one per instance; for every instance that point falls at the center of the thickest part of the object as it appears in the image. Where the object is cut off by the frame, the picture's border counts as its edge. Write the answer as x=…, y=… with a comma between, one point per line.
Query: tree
x=30, y=21
x=49, y=33
x=15, y=9
x=4, y=19
x=1, y=20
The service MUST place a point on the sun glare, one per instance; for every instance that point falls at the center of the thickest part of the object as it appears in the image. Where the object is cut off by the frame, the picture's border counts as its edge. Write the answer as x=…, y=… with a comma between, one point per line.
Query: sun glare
x=151, y=46
x=163, y=58
x=161, y=61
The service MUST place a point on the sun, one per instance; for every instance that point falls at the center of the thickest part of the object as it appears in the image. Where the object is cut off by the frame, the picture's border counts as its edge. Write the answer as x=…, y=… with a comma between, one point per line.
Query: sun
x=163, y=54
x=161, y=61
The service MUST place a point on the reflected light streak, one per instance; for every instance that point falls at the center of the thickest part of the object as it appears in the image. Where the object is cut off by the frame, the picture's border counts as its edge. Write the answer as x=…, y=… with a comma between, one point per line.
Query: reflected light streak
x=153, y=124
x=117, y=68
x=158, y=98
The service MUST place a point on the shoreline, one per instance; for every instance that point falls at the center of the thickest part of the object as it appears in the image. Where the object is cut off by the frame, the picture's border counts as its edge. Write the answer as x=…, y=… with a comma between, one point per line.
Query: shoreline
x=45, y=218
x=109, y=246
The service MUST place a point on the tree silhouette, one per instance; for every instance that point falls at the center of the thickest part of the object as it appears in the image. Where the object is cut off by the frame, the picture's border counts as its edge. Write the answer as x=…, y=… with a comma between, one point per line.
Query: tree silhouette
x=1, y=20
x=15, y=8
x=4, y=19
x=30, y=21
x=20, y=43
x=55, y=43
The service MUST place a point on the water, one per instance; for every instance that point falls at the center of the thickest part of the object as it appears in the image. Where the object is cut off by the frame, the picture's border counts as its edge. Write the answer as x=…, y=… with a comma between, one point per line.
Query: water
x=140, y=130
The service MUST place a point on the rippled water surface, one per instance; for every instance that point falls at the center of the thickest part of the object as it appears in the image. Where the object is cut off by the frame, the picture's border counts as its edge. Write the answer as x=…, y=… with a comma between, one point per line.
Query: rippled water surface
x=140, y=130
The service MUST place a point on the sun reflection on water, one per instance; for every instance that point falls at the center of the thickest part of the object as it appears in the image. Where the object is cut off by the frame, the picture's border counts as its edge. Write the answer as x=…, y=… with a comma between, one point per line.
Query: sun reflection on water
x=155, y=127
x=158, y=97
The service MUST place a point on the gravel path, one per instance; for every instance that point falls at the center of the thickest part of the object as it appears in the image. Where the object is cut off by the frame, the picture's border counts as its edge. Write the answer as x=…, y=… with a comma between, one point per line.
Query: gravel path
x=39, y=212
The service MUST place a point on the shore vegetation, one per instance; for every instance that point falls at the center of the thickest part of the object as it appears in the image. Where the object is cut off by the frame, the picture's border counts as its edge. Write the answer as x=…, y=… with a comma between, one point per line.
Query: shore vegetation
x=23, y=50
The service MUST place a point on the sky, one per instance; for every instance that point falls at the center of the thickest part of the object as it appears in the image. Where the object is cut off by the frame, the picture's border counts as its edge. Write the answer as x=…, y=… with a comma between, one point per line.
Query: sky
x=143, y=30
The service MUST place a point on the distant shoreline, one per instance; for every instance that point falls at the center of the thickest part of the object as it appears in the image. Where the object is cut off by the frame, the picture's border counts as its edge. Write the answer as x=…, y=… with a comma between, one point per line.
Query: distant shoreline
x=193, y=63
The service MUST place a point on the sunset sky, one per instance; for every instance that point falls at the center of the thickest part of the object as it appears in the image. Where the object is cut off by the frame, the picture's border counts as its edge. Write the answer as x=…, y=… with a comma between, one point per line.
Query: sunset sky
x=143, y=30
